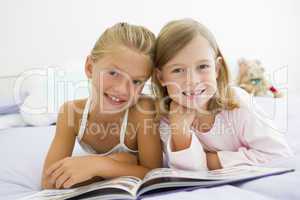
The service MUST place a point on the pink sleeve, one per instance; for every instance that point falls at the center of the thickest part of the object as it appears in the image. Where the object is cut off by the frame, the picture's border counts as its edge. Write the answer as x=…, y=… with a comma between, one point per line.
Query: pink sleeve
x=192, y=158
x=261, y=141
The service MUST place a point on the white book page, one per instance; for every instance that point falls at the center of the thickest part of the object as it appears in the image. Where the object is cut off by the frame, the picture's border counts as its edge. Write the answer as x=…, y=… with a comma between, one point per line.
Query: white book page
x=220, y=174
x=128, y=183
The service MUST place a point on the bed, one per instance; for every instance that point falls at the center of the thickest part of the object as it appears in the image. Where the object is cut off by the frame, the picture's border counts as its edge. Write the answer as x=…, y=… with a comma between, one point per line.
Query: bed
x=23, y=149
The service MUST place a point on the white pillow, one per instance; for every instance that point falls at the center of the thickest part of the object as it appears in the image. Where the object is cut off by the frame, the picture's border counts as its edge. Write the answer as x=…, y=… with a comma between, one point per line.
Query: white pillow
x=11, y=120
x=7, y=101
x=38, y=93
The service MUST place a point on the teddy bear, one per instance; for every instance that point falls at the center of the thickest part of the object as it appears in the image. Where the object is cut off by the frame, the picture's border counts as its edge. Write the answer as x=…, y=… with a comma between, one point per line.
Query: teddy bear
x=251, y=77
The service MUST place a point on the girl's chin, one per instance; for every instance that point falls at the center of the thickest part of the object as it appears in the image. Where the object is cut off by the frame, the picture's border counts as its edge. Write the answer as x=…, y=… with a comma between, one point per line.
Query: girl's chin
x=114, y=108
x=197, y=107
x=109, y=106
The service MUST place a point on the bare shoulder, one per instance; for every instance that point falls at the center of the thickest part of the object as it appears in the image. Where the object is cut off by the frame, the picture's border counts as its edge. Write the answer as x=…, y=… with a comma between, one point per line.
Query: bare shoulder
x=71, y=113
x=144, y=107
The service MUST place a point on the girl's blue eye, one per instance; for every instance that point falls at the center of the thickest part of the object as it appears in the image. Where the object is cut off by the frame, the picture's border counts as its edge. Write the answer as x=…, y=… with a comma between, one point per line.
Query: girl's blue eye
x=113, y=73
x=204, y=66
x=177, y=70
x=137, y=82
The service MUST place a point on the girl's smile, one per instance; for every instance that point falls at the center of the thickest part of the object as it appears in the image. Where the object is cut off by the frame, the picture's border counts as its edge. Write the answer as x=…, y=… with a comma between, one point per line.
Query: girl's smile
x=115, y=99
x=193, y=93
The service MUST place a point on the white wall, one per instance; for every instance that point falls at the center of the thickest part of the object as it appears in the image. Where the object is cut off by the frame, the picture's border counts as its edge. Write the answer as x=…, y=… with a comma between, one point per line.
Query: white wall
x=45, y=32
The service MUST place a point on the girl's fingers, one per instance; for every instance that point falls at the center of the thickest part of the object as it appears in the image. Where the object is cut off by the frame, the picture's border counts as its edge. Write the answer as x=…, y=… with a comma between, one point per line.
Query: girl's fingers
x=58, y=172
x=53, y=167
x=69, y=183
x=61, y=180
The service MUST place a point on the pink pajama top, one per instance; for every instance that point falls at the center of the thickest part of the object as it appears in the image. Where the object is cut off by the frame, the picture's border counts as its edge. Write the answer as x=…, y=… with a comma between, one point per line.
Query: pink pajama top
x=240, y=137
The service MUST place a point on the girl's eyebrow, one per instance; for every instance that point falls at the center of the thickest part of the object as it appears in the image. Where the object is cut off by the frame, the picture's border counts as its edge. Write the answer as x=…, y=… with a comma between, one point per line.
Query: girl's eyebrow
x=140, y=77
x=115, y=66
x=176, y=65
x=134, y=77
x=204, y=60
x=184, y=65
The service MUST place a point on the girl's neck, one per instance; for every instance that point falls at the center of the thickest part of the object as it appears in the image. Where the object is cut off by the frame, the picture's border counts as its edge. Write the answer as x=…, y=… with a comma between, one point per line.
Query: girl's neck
x=203, y=111
x=204, y=122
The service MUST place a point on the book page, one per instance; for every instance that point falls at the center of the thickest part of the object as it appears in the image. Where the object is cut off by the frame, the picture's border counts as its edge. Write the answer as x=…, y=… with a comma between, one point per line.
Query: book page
x=126, y=183
x=166, y=178
x=220, y=174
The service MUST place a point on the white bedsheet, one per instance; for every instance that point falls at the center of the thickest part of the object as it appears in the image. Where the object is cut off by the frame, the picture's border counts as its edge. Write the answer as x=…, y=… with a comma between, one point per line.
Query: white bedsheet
x=22, y=152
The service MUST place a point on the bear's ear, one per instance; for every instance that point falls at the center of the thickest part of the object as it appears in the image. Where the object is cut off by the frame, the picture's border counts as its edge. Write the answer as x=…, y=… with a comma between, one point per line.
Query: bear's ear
x=262, y=70
x=257, y=62
x=242, y=61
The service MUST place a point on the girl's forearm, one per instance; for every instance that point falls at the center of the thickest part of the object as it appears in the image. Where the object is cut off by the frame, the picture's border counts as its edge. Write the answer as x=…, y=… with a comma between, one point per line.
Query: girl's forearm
x=180, y=140
x=124, y=157
x=213, y=161
x=110, y=168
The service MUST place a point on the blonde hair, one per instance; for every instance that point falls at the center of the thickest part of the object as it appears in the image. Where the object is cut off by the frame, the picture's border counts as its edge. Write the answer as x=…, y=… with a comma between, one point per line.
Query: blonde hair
x=135, y=37
x=173, y=37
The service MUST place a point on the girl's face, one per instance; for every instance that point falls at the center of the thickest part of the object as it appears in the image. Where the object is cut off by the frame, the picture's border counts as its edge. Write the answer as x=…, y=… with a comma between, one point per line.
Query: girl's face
x=118, y=78
x=190, y=76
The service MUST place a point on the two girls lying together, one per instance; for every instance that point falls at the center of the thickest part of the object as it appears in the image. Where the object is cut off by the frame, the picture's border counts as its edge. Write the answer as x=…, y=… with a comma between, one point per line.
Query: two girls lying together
x=196, y=118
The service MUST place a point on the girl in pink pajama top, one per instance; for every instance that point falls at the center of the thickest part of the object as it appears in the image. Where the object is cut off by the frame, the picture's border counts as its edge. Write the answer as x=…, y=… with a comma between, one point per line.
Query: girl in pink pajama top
x=204, y=122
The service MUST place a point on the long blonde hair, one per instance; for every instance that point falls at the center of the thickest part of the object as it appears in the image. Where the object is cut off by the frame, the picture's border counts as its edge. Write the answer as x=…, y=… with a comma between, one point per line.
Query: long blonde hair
x=173, y=37
x=135, y=37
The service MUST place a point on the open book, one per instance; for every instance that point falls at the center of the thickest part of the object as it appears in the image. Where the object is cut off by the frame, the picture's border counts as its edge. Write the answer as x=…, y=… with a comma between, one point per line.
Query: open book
x=158, y=181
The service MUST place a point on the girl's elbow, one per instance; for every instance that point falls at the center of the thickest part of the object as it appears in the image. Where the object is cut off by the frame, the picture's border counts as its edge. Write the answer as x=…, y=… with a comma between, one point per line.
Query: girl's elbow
x=45, y=184
x=143, y=172
x=151, y=166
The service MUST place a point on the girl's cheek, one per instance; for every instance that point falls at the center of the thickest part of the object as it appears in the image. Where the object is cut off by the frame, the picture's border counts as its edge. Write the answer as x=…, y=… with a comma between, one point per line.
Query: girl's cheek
x=136, y=93
x=174, y=92
x=103, y=80
x=210, y=77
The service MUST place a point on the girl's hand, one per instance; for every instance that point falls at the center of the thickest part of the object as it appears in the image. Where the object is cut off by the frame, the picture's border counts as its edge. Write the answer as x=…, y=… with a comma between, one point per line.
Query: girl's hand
x=181, y=119
x=213, y=161
x=72, y=170
x=181, y=116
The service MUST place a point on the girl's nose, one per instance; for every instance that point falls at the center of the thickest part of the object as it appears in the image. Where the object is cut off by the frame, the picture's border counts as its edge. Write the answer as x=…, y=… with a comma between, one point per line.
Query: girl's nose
x=123, y=87
x=192, y=78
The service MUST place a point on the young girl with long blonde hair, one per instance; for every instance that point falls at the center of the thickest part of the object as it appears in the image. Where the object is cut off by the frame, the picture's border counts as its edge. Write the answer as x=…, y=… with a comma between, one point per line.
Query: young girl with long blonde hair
x=115, y=124
x=205, y=123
